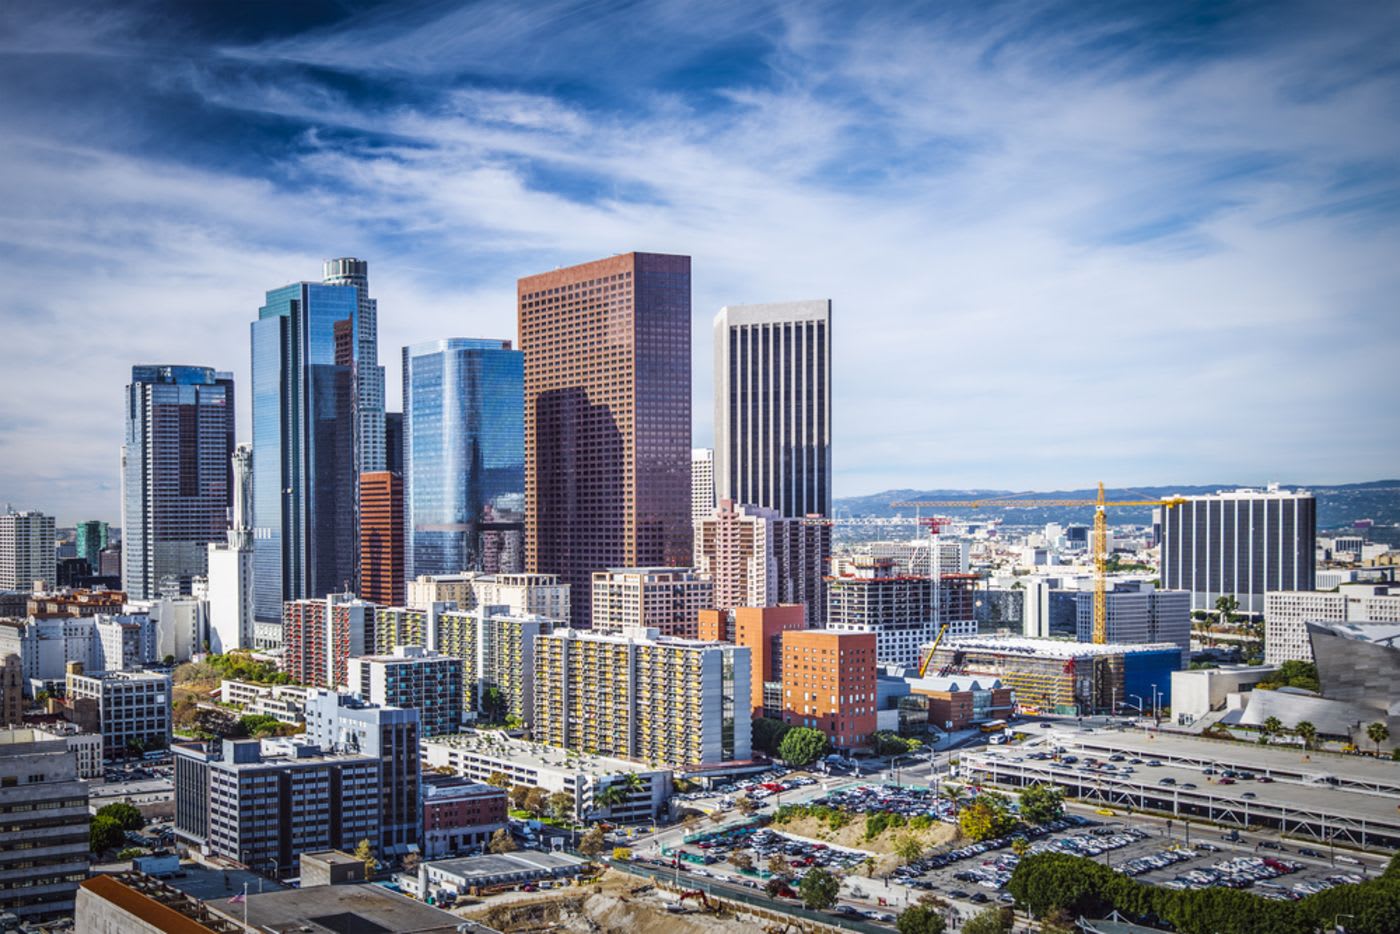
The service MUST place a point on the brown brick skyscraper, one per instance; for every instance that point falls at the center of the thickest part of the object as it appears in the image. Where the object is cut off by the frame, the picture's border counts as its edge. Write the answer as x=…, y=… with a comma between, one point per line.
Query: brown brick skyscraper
x=381, y=538
x=607, y=418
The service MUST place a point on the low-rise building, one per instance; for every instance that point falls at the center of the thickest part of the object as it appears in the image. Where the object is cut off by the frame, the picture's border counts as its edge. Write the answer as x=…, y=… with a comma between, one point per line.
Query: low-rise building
x=957, y=702
x=460, y=815
x=43, y=826
x=480, y=755
x=461, y=876
x=86, y=746
x=135, y=903
x=829, y=684
x=131, y=708
x=330, y=867
x=1197, y=693
x=285, y=702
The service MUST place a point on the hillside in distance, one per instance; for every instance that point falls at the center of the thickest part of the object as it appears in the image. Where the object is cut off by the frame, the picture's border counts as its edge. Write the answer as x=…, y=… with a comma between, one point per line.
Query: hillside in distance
x=1338, y=506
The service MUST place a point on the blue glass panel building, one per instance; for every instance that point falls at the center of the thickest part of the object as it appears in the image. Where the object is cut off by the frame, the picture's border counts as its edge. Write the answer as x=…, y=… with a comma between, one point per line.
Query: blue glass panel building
x=304, y=346
x=464, y=456
x=176, y=467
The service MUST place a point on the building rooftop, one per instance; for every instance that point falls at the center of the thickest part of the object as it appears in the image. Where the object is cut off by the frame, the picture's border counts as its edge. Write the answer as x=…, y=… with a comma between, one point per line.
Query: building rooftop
x=159, y=906
x=1054, y=648
x=339, y=909
x=500, y=864
x=537, y=755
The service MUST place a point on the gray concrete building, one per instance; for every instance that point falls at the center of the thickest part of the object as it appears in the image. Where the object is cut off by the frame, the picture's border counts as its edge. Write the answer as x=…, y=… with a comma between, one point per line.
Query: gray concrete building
x=132, y=709
x=26, y=550
x=43, y=826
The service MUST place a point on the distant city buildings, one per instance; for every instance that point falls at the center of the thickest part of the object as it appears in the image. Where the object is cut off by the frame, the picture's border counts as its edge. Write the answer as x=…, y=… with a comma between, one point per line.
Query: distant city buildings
x=773, y=406
x=668, y=600
x=607, y=418
x=371, y=455
x=464, y=456
x=1239, y=543
x=702, y=483
x=90, y=538
x=26, y=550
x=176, y=475
x=1137, y=615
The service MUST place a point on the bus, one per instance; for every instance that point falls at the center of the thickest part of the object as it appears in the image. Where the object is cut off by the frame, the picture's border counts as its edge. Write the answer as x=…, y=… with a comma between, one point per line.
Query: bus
x=993, y=726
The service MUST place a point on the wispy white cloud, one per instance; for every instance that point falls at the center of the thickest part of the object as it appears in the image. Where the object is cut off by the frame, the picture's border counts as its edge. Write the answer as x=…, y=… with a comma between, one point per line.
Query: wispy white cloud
x=1060, y=247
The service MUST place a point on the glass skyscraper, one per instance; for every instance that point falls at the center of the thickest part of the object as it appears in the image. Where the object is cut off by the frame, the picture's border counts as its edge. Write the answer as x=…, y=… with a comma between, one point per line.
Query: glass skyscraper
x=463, y=456
x=175, y=475
x=305, y=354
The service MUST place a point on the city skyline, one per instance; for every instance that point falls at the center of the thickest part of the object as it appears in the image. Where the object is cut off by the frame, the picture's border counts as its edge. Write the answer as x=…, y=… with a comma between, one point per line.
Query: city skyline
x=1212, y=192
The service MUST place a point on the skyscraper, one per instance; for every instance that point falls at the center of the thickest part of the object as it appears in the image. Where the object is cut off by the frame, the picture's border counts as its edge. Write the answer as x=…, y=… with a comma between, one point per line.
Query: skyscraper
x=369, y=375
x=464, y=456
x=773, y=406
x=607, y=417
x=91, y=537
x=175, y=475
x=381, y=537
x=231, y=566
x=393, y=442
x=1240, y=543
x=304, y=480
x=26, y=550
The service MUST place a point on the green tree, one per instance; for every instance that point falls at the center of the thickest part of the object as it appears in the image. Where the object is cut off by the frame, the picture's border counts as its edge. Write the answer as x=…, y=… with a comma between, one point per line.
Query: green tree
x=1019, y=846
x=498, y=780
x=258, y=724
x=169, y=661
x=746, y=805
x=986, y=817
x=802, y=746
x=501, y=842
x=1378, y=733
x=493, y=704
x=774, y=885
x=1306, y=732
x=1041, y=804
x=561, y=805
x=819, y=889
x=1226, y=606
x=105, y=833
x=869, y=864
x=741, y=860
x=990, y=921
x=768, y=734
x=126, y=815
x=592, y=843
x=779, y=867
x=365, y=854
x=536, y=801
x=921, y=919
x=516, y=794
x=908, y=847
x=610, y=797
x=1272, y=726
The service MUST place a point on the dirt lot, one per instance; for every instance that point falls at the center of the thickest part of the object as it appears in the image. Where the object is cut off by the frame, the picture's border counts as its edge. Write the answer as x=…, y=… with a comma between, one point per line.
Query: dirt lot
x=624, y=904
x=852, y=836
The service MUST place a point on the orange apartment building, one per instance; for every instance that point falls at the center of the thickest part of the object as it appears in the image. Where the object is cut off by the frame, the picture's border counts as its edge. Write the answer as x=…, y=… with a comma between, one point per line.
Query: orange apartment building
x=829, y=683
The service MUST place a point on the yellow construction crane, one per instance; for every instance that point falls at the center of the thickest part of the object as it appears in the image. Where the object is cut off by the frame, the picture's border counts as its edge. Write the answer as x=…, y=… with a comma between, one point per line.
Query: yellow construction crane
x=923, y=666
x=1100, y=543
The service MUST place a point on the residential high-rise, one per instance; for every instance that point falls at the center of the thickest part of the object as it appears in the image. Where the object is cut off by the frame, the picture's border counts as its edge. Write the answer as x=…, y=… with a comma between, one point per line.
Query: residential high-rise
x=901, y=610
x=44, y=835
x=412, y=676
x=773, y=406
x=26, y=550
x=319, y=636
x=528, y=594
x=305, y=362
x=668, y=600
x=607, y=417
x=368, y=375
x=90, y=538
x=381, y=538
x=829, y=684
x=1240, y=543
x=702, y=483
x=175, y=475
x=734, y=550
x=464, y=456
x=639, y=695
x=230, y=578
x=346, y=724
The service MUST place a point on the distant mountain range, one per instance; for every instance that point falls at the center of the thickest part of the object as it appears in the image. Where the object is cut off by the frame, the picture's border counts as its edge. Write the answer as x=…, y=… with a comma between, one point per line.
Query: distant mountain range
x=1338, y=506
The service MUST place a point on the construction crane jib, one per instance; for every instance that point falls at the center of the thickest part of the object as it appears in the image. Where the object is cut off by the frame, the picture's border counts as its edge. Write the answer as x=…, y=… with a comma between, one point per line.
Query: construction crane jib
x=1100, y=537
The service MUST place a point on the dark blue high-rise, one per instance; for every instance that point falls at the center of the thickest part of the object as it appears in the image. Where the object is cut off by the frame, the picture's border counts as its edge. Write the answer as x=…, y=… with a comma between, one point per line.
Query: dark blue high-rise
x=305, y=347
x=464, y=456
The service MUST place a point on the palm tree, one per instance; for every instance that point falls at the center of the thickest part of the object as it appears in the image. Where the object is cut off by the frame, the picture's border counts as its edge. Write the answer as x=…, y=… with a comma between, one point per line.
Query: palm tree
x=1306, y=732
x=609, y=798
x=952, y=793
x=1378, y=733
x=1271, y=727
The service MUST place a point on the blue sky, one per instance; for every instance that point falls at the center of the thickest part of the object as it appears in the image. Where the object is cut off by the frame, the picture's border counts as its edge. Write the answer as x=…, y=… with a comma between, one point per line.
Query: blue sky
x=1143, y=242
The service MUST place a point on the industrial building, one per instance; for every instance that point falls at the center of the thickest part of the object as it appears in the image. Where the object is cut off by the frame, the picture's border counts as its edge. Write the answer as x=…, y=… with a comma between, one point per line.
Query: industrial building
x=1055, y=676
